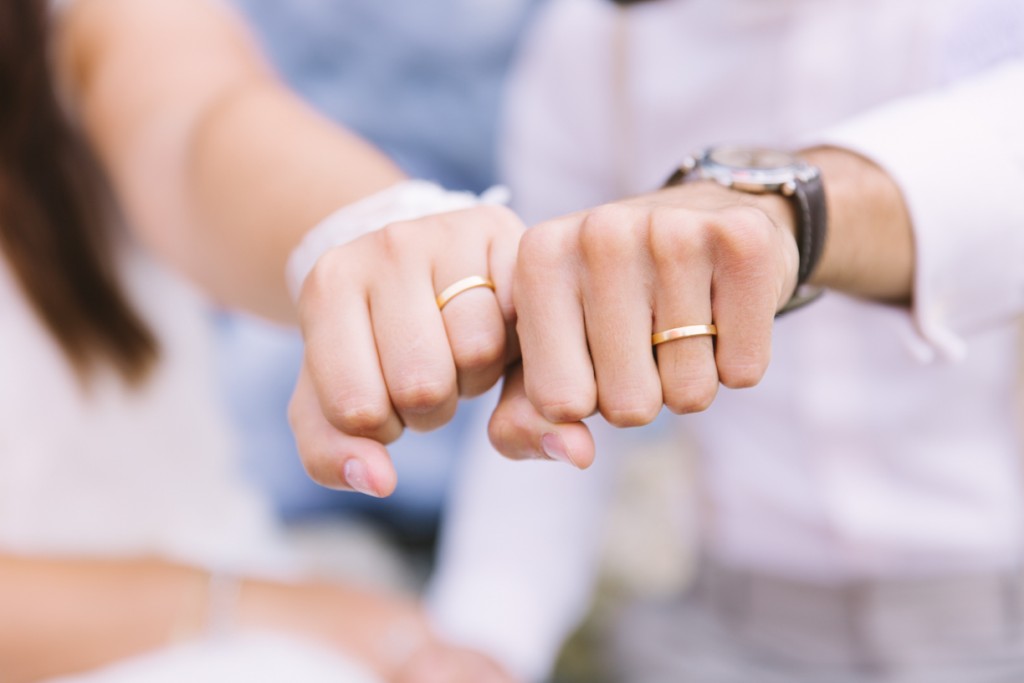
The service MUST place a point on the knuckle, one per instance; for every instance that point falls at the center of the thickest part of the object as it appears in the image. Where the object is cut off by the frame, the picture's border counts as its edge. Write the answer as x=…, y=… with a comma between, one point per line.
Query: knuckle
x=543, y=243
x=392, y=239
x=504, y=218
x=671, y=238
x=630, y=415
x=325, y=275
x=395, y=240
x=358, y=418
x=421, y=394
x=558, y=405
x=480, y=351
x=742, y=237
x=742, y=374
x=694, y=396
x=608, y=232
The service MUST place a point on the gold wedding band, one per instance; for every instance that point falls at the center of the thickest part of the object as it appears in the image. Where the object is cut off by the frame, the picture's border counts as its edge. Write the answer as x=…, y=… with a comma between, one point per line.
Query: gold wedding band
x=683, y=333
x=463, y=285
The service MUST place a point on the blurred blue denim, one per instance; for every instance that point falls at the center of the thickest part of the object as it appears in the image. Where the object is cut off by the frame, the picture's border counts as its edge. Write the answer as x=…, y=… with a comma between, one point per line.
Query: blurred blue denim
x=422, y=80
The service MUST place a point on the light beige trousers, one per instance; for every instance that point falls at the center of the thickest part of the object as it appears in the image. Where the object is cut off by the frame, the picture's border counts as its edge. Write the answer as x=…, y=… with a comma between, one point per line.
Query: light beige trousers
x=738, y=627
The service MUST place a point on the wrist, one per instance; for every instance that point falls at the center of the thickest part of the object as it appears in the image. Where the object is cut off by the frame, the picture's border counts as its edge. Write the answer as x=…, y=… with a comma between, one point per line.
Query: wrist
x=404, y=201
x=223, y=595
x=870, y=251
x=778, y=210
x=383, y=631
x=767, y=176
x=190, y=617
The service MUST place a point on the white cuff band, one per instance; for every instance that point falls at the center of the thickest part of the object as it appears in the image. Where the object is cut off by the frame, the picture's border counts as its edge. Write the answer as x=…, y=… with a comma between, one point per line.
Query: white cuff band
x=405, y=201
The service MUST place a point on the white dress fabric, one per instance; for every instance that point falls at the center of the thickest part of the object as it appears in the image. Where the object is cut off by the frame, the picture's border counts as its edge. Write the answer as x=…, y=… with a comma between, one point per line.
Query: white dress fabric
x=107, y=471
x=882, y=443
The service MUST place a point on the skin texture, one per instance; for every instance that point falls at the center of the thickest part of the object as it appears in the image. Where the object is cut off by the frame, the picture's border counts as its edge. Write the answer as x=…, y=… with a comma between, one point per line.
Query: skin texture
x=380, y=354
x=592, y=287
x=220, y=171
x=588, y=291
x=74, y=615
x=217, y=166
x=193, y=135
x=188, y=150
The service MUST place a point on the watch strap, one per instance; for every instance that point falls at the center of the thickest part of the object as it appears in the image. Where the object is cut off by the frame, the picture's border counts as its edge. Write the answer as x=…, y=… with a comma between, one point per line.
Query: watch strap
x=811, y=225
x=809, y=203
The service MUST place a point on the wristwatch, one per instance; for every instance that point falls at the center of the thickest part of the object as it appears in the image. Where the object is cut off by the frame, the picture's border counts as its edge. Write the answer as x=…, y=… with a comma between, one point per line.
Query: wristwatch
x=760, y=171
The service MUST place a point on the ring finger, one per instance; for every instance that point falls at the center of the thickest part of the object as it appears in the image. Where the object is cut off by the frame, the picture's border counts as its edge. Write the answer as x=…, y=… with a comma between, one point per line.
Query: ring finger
x=686, y=364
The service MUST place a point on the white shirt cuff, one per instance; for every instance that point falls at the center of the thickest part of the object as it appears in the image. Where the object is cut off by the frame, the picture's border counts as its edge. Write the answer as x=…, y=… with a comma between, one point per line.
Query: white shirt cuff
x=958, y=156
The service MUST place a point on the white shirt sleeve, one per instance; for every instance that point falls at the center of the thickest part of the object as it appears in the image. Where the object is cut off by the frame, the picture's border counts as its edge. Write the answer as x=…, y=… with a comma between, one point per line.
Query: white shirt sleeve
x=518, y=555
x=958, y=155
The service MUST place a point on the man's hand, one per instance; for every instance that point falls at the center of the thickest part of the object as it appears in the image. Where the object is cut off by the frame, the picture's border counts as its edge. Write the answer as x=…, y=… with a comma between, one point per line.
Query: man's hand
x=591, y=289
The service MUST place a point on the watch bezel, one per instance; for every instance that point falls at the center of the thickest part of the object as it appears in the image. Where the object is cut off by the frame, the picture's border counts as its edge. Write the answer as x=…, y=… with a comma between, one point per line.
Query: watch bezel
x=780, y=178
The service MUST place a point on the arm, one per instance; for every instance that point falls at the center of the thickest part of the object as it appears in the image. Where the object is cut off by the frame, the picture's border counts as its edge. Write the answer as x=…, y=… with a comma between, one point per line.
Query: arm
x=870, y=247
x=906, y=226
x=957, y=156
x=64, y=616
x=221, y=171
x=67, y=616
x=217, y=165
x=608, y=278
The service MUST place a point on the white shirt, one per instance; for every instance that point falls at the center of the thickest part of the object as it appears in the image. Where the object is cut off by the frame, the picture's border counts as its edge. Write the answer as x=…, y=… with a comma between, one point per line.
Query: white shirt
x=881, y=442
x=111, y=471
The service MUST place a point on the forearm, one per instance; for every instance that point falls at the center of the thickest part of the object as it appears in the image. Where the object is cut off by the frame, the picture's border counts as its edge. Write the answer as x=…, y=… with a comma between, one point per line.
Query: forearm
x=380, y=629
x=217, y=165
x=65, y=616
x=869, y=250
x=957, y=155
x=263, y=170
x=869, y=246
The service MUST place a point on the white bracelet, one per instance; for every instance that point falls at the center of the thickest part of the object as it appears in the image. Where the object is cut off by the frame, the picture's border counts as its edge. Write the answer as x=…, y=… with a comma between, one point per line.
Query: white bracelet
x=405, y=201
x=223, y=593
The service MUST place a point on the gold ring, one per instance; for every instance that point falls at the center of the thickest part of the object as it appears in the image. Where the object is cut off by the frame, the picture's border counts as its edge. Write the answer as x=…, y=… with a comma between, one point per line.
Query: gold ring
x=683, y=333
x=463, y=285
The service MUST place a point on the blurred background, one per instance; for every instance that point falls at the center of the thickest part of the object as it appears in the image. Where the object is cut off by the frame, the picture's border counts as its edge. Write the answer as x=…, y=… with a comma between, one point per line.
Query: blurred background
x=510, y=555
x=424, y=82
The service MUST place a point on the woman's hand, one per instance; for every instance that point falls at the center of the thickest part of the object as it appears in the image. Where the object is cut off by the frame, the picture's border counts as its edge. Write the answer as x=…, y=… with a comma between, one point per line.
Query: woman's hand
x=382, y=355
x=388, y=633
x=441, y=663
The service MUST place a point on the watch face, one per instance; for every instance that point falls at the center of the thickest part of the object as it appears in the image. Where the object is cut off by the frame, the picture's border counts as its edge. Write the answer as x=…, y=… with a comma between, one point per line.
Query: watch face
x=754, y=169
x=754, y=158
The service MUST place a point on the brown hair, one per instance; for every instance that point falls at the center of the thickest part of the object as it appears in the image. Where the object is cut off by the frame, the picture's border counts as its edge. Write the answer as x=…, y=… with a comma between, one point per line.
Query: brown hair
x=54, y=210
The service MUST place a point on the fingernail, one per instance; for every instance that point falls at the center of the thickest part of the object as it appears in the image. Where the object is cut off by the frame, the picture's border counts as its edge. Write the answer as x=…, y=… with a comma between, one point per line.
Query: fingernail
x=357, y=476
x=554, y=447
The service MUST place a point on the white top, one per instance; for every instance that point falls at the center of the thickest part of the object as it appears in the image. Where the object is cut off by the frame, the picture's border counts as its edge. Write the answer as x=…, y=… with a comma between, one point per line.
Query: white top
x=112, y=471
x=881, y=442
x=117, y=472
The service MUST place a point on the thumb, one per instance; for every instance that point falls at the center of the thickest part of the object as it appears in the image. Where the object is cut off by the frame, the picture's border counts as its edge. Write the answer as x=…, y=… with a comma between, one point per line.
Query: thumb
x=332, y=458
x=520, y=432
